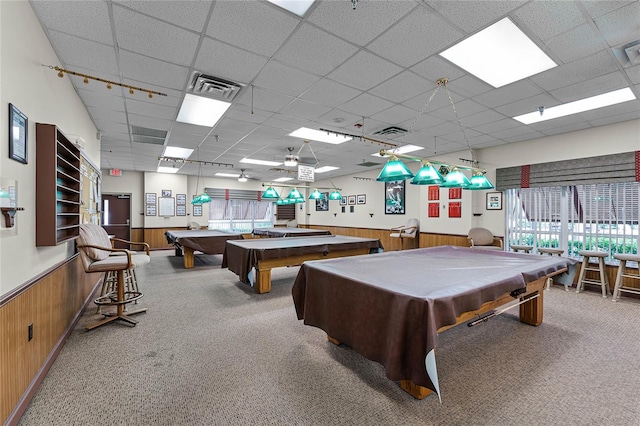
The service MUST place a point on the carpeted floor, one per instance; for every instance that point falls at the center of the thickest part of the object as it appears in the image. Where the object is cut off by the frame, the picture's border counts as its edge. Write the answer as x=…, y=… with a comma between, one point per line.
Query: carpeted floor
x=210, y=351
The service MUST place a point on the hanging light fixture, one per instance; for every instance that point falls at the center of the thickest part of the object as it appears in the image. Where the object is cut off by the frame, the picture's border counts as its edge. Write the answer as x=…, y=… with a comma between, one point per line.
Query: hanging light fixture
x=204, y=197
x=394, y=170
x=295, y=196
x=316, y=195
x=479, y=181
x=335, y=195
x=242, y=178
x=270, y=193
x=290, y=160
x=455, y=179
x=427, y=175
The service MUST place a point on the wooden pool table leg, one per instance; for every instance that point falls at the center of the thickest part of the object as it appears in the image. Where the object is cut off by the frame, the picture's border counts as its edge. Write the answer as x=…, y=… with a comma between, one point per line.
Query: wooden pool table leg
x=531, y=311
x=263, y=280
x=188, y=257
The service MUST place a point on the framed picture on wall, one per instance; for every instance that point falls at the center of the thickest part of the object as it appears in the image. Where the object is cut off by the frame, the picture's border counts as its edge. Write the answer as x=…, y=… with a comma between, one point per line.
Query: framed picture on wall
x=362, y=199
x=343, y=200
x=166, y=193
x=18, y=125
x=351, y=200
x=494, y=200
x=197, y=209
x=394, y=197
x=322, y=205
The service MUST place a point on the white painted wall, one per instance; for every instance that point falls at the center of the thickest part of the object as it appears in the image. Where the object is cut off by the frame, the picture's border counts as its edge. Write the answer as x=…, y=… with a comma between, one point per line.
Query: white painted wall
x=42, y=97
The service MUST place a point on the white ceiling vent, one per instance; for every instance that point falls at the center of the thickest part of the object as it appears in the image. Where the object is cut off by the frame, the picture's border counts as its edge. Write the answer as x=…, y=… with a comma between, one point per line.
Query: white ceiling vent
x=390, y=131
x=628, y=54
x=214, y=87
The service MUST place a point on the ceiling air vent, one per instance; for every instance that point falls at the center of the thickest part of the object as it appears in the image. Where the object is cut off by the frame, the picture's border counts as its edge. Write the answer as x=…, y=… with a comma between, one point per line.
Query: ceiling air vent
x=214, y=87
x=390, y=131
x=628, y=54
x=145, y=135
x=368, y=164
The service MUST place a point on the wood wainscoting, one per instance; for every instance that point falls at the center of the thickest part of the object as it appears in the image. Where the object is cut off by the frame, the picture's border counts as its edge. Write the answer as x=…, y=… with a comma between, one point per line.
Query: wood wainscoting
x=52, y=302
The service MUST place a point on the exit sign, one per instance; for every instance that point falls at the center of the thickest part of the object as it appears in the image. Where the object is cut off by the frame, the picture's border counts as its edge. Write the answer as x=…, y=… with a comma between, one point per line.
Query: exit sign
x=115, y=172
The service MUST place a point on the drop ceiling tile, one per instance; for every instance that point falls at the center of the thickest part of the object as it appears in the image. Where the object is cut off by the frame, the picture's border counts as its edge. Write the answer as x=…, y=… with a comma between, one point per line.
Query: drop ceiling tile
x=237, y=126
x=574, y=72
x=189, y=129
x=527, y=105
x=314, y=50
x=546, y=21
x=228, y=62
x=472, y=16
x=230, y=20
x=329, y=93
x=170, y=97
x=243, y=113
x=497, y=126
x=305, y=109
x=281, y=78
x=517, y=138
x=635, y=115
x=468, y=86
x=508, y=94
x=78, y=52
x=264, y=100
x=395, y=115
x=101, y=99
x=402, y=87
x=107, y=114
x=373, y=17
x=347, y=123
x=191, y=14
x=365, y=105
x=414, y=38
x=149, y=122
x=364, y=71
x=568, y=128
x=462, y=109
x=484, y=117
x=621, y=25
x=592, y=87
x=436, y=67
x=110, y=129
x=153, y=71
x=576, y=43
x=613, y=110
x=152, y=110
x=157, y=39
x=599, y=8
x=88, y=20
x=634, y=74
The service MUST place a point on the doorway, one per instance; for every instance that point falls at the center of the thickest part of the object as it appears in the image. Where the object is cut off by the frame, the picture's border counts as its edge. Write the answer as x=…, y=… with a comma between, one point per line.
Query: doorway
x=116, y=216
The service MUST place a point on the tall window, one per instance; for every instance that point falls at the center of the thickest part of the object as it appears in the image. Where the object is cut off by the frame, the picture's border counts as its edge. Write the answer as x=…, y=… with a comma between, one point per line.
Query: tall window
x=579, y=217
x=240, y=215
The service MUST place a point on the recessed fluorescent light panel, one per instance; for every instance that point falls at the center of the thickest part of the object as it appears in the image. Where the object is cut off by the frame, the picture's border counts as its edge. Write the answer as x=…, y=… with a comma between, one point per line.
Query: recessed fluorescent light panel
x=167, y=169
x=230, y=175
x=283, y=179
x=201, y=111
x=260, y=162
x=401, y=150
x=499, y=54
x=587, y=104
x=299, y=7
x=177, y=152
x=320, y=136
x=325, y=169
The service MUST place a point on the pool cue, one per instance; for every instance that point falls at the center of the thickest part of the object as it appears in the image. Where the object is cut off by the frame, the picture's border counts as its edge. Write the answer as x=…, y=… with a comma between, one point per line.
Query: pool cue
x=501, y=311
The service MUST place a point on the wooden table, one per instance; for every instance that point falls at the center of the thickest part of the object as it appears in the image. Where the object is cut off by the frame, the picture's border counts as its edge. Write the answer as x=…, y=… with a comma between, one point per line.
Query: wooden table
x=262, y=255
x=205, y=240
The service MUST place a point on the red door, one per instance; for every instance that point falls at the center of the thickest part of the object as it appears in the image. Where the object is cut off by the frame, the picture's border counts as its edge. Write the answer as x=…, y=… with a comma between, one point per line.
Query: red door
x=116, y=216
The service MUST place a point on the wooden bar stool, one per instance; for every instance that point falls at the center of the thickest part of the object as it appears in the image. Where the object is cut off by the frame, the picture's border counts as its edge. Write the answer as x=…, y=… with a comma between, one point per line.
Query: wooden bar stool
x=623, y=258
x=517, y=248
x=603, y=281
x=551, y=251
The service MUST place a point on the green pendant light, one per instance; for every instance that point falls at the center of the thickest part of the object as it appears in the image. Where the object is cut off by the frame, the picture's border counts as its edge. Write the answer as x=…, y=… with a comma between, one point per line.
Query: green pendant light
x=283, y=202
x=394, y=170
x=479, y=181
x=316, y=195
x=335, y=195
x=455, y=179
x=270, y=193
x=427, y=175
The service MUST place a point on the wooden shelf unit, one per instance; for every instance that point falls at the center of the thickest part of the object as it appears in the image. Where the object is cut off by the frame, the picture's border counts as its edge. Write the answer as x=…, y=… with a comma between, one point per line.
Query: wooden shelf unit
x=57, y=187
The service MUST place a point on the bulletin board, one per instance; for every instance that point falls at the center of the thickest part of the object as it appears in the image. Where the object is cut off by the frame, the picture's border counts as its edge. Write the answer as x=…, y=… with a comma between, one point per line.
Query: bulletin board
x=90, y=191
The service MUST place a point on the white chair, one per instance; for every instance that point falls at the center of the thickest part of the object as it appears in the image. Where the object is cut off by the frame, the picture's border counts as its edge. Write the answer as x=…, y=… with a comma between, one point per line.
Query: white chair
x=193, y=225
x=408, y=232
x=292, y=223
x=482, y=238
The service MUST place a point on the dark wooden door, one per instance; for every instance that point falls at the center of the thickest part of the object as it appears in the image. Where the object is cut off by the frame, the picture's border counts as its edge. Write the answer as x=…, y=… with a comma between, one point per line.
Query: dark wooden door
x=116, y=216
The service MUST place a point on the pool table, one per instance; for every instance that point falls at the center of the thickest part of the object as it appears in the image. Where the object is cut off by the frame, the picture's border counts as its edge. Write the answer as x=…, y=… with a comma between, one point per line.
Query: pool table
x=256, y=257
x=207, y=241
x=391, y=307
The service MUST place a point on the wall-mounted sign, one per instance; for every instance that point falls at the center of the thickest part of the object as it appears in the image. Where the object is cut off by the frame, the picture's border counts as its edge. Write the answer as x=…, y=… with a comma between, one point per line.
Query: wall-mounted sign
x=306, y=173
x=115, y=172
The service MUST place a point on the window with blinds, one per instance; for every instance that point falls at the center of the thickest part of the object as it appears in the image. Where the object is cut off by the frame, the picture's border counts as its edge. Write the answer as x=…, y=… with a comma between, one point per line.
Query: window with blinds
x=577, y=217
x=240, y=215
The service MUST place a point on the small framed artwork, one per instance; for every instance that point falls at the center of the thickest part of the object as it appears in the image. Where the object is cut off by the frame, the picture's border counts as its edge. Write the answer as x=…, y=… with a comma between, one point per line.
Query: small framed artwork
x=352, y=200
x=433, y=192
x=150, y=210
x=494, y=201
x=455, y=193
x=362, y=199
x=343, y=209
x=18, y=126
x=343, y=200
x=455, y=209
x=322, y=204
x=181, y=199
x=166, y=193
x=197, y=209
x=351, y=209
x=150, y=197
x=394, y=197
x=181, y=210
x=434, y=209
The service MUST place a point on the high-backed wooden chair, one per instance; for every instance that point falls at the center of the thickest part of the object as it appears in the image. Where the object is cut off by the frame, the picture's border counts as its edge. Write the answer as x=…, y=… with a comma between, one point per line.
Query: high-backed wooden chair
x=407, y=232
x=97, y=255
x=482, y=238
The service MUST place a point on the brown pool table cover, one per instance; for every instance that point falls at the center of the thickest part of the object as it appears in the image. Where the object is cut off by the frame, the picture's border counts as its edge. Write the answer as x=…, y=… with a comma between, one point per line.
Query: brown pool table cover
x=389, y=307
